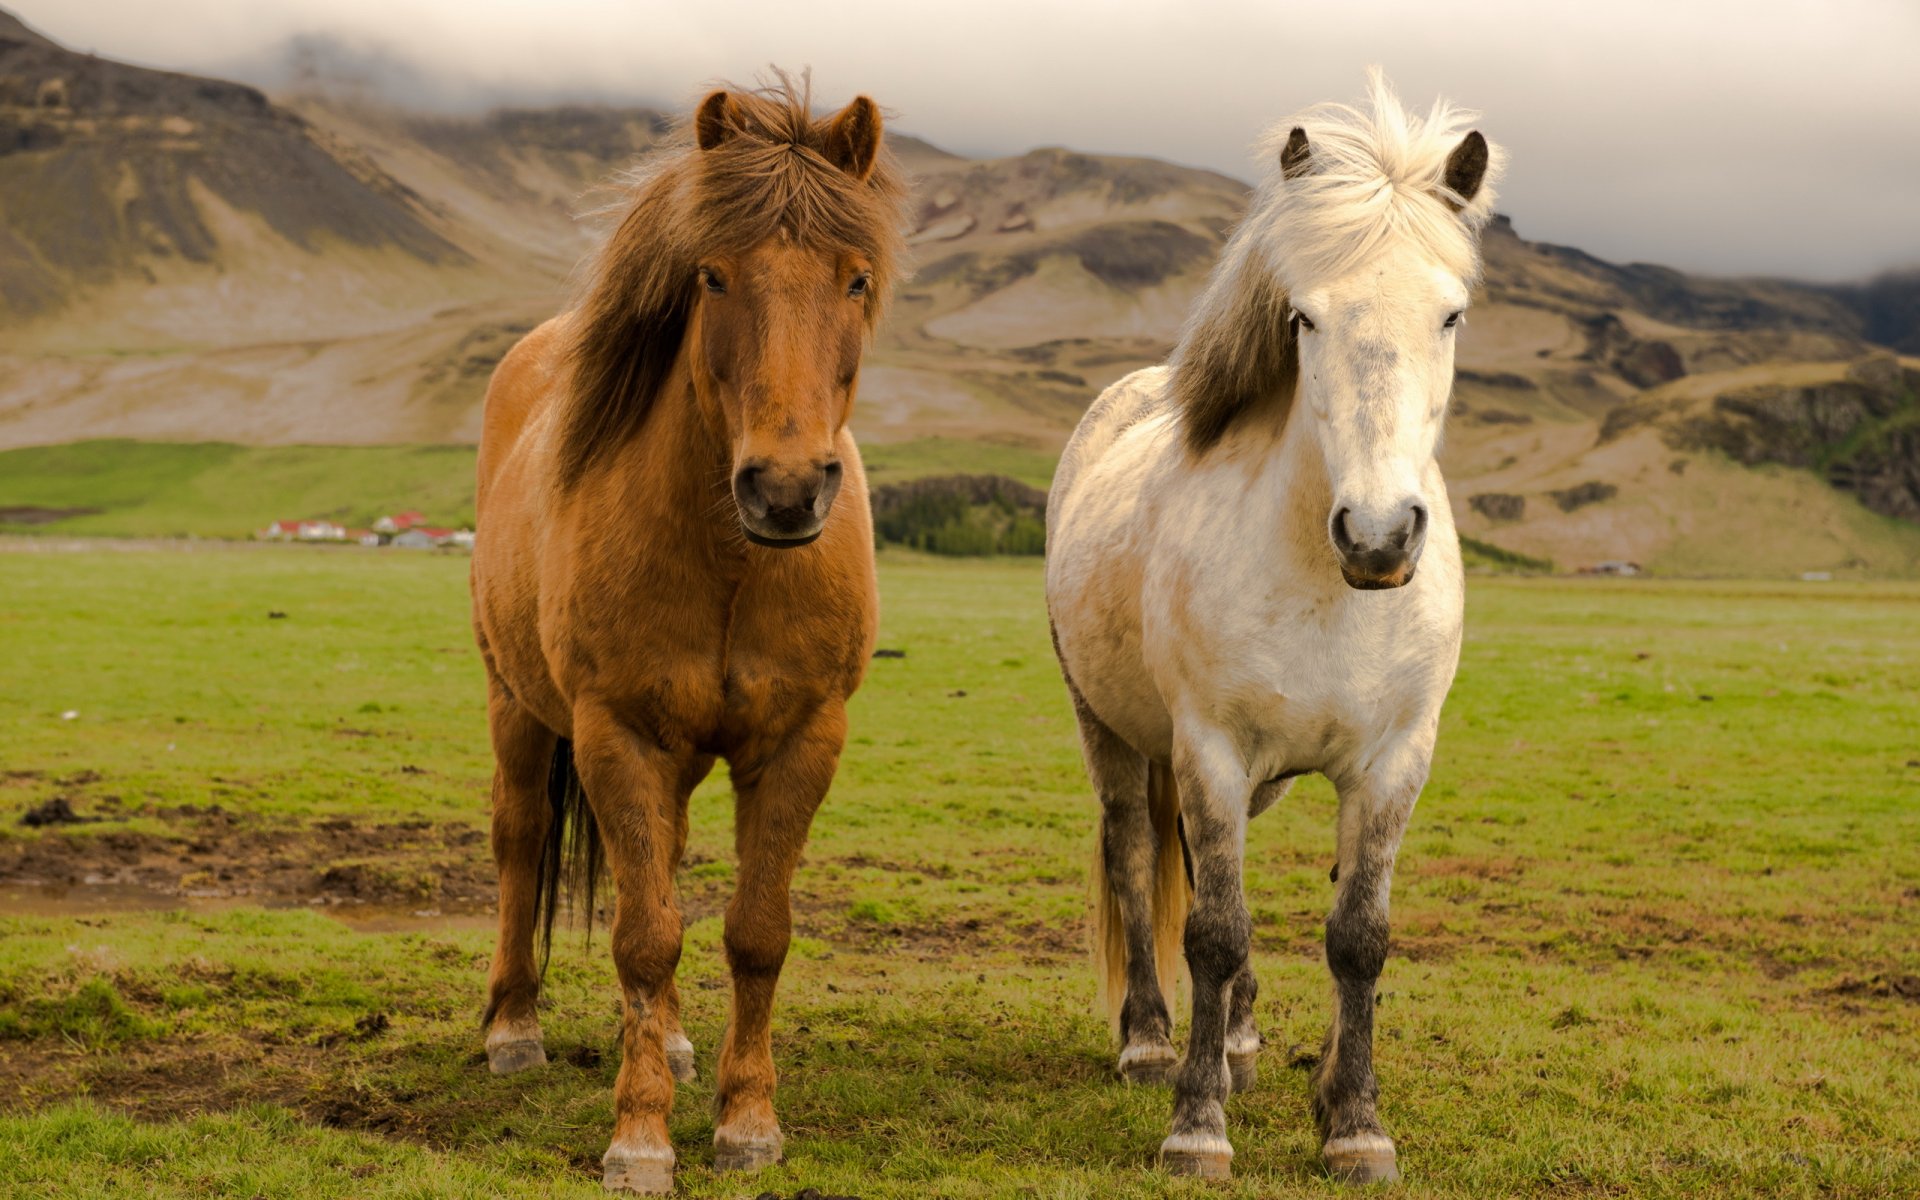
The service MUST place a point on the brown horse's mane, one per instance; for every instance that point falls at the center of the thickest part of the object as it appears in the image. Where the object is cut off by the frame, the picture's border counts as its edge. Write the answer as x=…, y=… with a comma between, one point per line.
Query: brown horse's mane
x=778, y=174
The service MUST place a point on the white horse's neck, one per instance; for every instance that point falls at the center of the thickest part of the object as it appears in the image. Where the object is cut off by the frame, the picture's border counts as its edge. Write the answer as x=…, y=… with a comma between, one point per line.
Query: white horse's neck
x=1272, y=463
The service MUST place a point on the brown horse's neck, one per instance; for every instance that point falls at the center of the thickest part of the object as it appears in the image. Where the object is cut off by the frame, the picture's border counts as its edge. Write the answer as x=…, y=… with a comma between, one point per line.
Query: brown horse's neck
x=676, y=473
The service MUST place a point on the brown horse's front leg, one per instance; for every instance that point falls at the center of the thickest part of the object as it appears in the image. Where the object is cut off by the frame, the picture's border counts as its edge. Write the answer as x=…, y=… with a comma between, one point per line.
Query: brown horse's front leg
x=680, y=1058
x=775, y=802
x=632, y=784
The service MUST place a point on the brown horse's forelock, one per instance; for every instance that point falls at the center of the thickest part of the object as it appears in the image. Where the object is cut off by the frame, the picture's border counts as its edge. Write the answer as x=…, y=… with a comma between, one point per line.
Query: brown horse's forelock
x=774, y=177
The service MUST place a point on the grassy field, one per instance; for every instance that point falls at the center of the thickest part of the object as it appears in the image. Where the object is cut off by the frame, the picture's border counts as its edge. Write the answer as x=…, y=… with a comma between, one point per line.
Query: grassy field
x=222, y=490
x=1657, y=921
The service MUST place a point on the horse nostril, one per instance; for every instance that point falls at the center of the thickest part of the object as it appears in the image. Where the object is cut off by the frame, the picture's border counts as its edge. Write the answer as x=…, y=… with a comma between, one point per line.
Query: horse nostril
x=1411, y=529
x=822, y=498
x=746, y=490
x=1342, y=536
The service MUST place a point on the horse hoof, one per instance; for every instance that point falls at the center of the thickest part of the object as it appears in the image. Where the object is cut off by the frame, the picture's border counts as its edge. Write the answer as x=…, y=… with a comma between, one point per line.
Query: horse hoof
x=647, y=1176
x=1199, y=1156
x=1362, y=1159
x=1148, y=1064
x=508, y=1057
x=745, y=1156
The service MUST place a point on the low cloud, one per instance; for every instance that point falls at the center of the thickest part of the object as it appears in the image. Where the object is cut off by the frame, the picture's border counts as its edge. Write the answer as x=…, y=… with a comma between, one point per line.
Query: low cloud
x=1724, y=137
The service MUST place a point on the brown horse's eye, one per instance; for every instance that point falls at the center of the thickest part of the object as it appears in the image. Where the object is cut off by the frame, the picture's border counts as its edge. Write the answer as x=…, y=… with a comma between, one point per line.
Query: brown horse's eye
x=714, y=284
x=859, y=286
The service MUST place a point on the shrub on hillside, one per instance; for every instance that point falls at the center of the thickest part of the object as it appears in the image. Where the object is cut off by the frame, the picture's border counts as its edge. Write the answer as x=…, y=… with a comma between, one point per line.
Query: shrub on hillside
x=964, y=515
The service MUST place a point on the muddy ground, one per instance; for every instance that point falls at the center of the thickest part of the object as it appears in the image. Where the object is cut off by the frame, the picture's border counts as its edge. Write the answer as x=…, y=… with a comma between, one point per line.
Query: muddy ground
x=75, y=853
x=213, y=853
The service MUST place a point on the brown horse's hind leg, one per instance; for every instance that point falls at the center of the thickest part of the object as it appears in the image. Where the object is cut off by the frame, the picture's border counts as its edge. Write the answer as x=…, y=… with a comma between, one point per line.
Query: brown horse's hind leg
x=680, y=1058
x=775, y=802
x=523, y=754
x=633, y=785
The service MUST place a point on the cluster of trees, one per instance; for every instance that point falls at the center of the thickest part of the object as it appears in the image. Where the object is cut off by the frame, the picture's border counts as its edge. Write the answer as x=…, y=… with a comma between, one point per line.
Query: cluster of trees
x=962, y=515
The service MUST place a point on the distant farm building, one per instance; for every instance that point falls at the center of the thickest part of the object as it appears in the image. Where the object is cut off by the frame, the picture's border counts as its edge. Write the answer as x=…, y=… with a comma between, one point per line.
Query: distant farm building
x=399, y=522
x=425, y=537
x=304, y=531
x=406, y=529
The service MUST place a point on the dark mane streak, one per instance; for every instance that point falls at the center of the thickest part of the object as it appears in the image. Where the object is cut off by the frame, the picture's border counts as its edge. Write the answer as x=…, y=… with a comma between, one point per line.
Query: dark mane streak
x=1233, y=354
x=776, y=174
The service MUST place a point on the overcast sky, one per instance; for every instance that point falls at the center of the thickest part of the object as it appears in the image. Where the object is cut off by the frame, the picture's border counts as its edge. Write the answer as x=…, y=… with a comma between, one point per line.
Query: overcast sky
x=1746, y=137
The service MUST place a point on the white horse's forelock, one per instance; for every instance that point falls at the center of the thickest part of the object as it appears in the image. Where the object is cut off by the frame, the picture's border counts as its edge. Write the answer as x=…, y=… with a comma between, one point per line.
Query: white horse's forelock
x=1375, y=185
x=1377, y=181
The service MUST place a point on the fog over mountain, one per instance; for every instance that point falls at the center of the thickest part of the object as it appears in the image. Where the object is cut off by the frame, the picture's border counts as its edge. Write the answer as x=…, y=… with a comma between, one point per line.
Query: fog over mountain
x=1723, y=137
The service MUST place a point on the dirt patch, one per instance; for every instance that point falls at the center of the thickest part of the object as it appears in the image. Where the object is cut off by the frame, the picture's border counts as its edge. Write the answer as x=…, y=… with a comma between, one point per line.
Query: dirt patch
x=209, y=852
x=57, y=811
x=947, y=940
x=1904, y=987
x=34, y=514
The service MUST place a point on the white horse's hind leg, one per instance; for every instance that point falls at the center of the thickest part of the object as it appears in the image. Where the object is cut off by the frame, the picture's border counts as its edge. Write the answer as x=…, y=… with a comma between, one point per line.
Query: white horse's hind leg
x=1372, y=819
x=1243, y=1035
x=1129, y=852
x=1213, y=805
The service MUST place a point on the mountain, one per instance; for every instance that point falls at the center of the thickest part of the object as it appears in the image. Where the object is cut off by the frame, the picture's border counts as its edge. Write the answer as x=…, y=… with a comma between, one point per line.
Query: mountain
x=115, y=173
x=184, y=258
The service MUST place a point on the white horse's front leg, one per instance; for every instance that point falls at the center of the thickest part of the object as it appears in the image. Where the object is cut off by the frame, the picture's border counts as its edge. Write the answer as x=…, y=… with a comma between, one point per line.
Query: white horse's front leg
x=1214, y=791
x=1375, y=804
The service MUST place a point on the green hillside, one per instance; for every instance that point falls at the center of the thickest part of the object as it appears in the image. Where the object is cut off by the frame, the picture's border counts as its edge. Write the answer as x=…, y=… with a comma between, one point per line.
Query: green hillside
x=216, y=489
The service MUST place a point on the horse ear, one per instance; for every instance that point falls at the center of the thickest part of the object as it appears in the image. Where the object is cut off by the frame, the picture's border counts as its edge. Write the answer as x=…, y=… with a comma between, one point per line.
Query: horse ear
x=1296, y=156
x=853, y=140
x=716, y=120
x=1467, y=168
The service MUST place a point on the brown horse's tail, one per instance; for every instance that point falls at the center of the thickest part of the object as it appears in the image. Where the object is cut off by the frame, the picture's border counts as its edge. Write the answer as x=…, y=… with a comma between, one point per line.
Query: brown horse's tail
x=1171, y=898
x=572, y=855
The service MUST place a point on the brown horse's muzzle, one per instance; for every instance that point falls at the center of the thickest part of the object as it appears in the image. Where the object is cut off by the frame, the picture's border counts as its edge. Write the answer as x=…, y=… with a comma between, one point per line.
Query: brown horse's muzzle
x=783, y=506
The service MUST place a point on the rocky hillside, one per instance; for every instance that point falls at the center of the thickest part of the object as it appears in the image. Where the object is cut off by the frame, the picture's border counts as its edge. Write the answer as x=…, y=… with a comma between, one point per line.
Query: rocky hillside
x=113, y=172
x=183, y=258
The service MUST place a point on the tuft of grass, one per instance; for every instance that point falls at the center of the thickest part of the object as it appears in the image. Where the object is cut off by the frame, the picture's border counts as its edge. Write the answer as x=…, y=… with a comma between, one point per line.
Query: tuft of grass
x=91, y=1013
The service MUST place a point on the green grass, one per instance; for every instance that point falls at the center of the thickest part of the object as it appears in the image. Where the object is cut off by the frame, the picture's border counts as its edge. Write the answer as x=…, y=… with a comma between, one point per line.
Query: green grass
x=1645, y=918
x=896, y=462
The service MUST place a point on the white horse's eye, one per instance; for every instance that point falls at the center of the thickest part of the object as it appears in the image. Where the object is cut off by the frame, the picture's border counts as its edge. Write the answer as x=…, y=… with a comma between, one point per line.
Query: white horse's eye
x=1299, y=318
x=1453, y=319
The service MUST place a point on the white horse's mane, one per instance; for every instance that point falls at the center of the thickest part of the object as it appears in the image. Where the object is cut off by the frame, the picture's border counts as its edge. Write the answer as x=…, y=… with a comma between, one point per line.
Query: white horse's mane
x=1376, y=182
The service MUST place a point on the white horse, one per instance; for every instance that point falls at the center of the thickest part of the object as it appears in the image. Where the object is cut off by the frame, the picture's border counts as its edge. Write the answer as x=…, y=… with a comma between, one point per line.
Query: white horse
x=1252, y=573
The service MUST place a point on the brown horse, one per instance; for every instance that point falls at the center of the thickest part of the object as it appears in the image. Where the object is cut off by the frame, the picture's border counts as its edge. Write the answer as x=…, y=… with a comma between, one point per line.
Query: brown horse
x=657, y=582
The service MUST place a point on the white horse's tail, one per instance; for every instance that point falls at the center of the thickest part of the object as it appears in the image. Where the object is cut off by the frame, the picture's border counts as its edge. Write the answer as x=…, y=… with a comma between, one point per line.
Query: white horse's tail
x=1172, y=896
